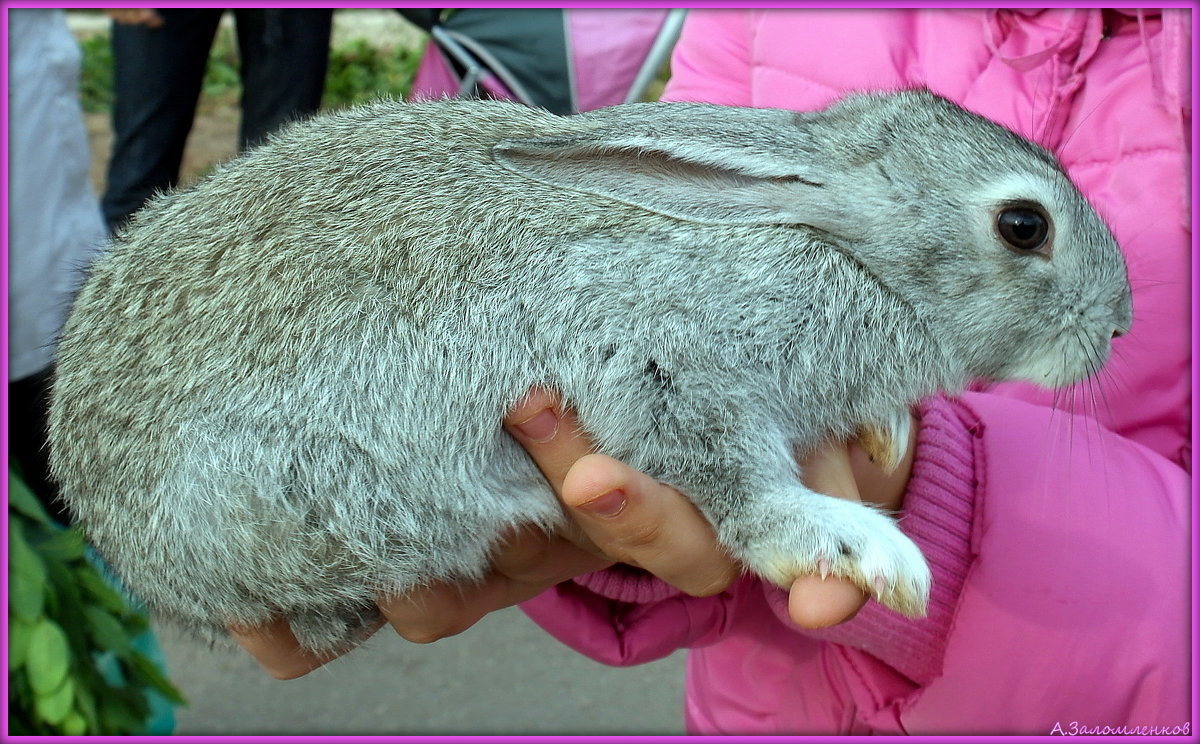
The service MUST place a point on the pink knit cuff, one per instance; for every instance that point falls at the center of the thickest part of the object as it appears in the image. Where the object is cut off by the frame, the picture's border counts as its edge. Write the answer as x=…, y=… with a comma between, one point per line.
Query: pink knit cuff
x=938, y=511
x=627, y=584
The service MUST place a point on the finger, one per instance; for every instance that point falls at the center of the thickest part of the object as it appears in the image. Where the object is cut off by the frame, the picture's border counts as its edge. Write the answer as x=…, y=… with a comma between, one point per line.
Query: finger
x=552, y=437
x=881, y=487
x=529, y=564
x=815, y=602
x=530, y=556
x=635, y=519
x=828, y=470
x=277, y=651
x=438, y=611
x=443, y=610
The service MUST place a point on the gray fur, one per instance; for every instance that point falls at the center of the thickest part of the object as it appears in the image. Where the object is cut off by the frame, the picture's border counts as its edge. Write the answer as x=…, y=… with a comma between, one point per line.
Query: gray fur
x=280, y=392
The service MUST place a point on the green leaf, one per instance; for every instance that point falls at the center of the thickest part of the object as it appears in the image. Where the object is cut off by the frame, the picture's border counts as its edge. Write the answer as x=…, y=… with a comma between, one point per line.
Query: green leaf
x=26, y=598
x=146, y=672
x=107, y=631
x=24, y=501
x=65, y=601
x=95, y=79
x=54, y=706
x=101, y=592
x=63, y=545
x=136, y=624
x=18, y=643
x=74, y=724
x=86, y=704
x=123, y=711
x=48, y=658
x=26, y=575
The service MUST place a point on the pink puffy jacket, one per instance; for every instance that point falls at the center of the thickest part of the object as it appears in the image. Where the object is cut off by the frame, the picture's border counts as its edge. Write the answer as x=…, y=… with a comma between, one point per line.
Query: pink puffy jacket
x=1059, y=543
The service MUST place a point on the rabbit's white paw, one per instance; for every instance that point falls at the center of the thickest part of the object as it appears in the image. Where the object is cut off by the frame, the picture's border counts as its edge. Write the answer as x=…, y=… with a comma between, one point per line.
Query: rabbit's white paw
x=832, y=537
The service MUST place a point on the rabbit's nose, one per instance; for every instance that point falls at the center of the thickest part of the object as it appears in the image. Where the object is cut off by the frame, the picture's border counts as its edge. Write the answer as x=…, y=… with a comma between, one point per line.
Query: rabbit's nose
x=1123, y=318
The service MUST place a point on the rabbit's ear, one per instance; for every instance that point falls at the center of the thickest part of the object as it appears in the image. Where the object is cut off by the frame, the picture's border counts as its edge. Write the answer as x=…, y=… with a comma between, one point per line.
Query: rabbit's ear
x=698, y=183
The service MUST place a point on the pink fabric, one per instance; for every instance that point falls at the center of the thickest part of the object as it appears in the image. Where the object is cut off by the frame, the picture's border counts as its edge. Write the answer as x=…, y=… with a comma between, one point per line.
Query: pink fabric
x=1059, y=543
x=435, y=79
x=607, y=48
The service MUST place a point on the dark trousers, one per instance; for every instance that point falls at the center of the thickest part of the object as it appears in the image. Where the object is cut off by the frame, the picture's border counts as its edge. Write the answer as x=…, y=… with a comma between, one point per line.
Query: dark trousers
x=28, y=410
x=158, y=73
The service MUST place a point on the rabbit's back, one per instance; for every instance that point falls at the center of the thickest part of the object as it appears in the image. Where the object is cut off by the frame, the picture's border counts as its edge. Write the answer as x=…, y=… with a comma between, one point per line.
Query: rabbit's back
x=242, y=369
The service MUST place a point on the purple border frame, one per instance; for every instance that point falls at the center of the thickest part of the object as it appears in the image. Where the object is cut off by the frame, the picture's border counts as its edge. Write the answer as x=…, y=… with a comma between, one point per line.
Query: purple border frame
x=1195, y=336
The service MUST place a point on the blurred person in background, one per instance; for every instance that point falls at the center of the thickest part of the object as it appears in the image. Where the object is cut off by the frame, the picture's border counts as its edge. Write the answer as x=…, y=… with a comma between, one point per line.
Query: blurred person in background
x=159, y=60
x=54, y=223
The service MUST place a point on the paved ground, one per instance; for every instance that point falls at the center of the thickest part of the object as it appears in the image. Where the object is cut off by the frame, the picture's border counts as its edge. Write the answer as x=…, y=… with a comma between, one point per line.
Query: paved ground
x=504, y=676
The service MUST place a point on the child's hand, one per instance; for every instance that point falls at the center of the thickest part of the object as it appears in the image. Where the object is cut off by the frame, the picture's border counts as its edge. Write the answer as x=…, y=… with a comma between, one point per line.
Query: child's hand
x=617, y=515
x=660, y=531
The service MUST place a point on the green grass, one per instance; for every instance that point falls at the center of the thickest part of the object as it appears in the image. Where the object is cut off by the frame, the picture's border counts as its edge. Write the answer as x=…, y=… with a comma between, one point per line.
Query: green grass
x=358, y=71
x=95, y=78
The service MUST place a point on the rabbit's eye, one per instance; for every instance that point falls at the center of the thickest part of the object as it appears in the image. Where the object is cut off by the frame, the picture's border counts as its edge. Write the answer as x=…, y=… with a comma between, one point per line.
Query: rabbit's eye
x=1023, y=228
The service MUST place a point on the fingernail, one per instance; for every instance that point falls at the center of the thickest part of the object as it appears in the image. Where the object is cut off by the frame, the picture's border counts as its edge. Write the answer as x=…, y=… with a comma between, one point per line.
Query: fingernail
x=541, y=427
x=608, y=505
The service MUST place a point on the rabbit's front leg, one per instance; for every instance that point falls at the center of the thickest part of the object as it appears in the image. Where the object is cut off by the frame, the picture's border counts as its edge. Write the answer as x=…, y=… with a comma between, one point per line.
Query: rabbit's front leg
x=780, y=529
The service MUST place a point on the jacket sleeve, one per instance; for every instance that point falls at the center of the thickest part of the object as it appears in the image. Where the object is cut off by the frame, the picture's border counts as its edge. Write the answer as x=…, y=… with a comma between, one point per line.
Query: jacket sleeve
x=1082, y=582
x=1068, y=571
x=587, y=615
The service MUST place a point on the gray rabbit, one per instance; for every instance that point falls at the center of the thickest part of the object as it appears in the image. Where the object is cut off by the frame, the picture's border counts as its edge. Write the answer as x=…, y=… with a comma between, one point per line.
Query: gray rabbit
x=280, y=392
